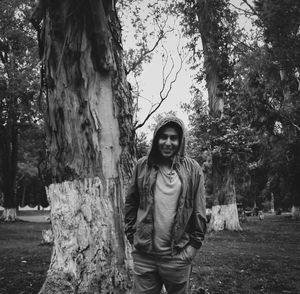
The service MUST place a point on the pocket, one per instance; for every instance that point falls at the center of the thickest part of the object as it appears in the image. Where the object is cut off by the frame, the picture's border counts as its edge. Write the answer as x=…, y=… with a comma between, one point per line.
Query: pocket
x=187, y=255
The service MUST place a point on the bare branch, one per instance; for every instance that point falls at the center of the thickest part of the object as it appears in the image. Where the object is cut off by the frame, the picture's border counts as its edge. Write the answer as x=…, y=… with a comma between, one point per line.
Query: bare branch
x=162, y=34
x=237, y=44
x=241, y=9
x=166, y=77
x=250, y=6
x=296, y=126
x=145, y=53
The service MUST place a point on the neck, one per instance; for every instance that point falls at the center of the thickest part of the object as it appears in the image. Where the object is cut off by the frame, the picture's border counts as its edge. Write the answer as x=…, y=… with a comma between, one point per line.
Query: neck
x=166, y=162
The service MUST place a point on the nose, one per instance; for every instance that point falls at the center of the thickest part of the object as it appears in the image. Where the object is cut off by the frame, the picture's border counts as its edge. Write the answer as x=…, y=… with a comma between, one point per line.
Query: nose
x=168, y=142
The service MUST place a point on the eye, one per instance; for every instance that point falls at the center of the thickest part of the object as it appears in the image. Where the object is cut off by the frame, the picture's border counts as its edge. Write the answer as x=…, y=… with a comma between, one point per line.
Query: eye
x=163, y=137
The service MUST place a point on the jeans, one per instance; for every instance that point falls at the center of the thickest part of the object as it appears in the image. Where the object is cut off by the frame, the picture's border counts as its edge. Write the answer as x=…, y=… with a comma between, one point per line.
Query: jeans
x=151, y=272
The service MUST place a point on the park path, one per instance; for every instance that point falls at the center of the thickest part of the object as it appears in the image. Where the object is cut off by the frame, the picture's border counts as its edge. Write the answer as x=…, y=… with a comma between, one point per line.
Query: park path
x=34, y=218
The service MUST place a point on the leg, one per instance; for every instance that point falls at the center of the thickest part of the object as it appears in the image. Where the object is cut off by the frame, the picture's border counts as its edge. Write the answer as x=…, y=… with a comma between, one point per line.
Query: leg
x=175, y=272
x=146, y=279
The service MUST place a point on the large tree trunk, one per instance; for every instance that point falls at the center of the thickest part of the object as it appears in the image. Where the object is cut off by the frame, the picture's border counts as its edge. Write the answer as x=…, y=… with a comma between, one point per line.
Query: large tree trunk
x=90, y=139
x=224, y=210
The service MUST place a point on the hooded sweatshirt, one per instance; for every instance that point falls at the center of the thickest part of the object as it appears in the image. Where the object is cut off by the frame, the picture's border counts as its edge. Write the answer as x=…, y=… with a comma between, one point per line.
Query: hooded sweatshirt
x=188, y=222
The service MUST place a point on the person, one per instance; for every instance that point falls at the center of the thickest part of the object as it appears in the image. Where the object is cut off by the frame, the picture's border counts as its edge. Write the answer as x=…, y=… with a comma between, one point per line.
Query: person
x=165, y=218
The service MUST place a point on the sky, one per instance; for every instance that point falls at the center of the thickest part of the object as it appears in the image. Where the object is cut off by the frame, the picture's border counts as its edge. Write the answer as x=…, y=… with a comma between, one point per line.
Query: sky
x=151, y=83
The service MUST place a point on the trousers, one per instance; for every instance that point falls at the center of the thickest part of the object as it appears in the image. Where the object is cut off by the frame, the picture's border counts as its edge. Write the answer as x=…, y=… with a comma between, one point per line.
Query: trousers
x=151, y=272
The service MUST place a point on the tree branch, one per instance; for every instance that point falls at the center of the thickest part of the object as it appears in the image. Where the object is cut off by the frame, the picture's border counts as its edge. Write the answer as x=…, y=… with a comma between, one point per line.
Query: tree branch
x=241, y=9
x=163, y=97
x=250, y=6
x=145, y=53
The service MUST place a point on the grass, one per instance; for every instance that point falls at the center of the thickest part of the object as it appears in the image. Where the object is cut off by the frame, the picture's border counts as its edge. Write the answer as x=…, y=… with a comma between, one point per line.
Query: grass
x=24, y=261
x=263, y=258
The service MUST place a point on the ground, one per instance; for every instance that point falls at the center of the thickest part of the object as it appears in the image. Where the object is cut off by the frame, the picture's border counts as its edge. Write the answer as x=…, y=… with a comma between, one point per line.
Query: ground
x=24, y=261
x=263, y=258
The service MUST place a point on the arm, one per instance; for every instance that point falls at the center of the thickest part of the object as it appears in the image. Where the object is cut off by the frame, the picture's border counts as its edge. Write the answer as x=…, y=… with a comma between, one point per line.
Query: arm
x=131, y=207
x=198, y=221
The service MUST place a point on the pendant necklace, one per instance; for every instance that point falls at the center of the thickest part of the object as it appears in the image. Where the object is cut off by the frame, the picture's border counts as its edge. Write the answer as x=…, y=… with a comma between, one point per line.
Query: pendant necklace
x=169, y=173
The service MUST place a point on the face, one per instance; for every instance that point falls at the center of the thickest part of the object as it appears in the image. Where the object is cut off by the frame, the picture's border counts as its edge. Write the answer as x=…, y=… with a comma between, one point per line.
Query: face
x=168, y=142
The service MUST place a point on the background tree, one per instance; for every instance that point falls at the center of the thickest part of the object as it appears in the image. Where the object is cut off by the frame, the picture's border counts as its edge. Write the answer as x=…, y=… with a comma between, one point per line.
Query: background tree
x=90, y=142
x=31, y=175
x=19, y=81
x=142, y=145
x=280, y=23
x=212, y=22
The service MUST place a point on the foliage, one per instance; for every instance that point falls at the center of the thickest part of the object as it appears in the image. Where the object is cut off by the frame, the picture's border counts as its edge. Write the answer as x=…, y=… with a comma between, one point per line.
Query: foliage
x=280, y=22
x=142, y=145
x=20, y=110
x=260, y=126
x=213, y=23
x=31, y=159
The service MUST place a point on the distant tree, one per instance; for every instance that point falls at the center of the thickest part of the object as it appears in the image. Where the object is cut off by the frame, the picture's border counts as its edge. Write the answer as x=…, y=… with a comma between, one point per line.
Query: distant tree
x=212, y=22
x=280, y=22
x=31, y=176
x=19, y=82
x=142, y=145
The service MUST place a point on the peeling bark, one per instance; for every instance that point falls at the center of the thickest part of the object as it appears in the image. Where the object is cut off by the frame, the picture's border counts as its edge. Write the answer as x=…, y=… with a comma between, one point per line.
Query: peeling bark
x=89, y=254
x=223, y=217
x=90, y=141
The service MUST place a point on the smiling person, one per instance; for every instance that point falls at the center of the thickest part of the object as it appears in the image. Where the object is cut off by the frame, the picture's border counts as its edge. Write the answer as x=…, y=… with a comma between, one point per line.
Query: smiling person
x=165, y=212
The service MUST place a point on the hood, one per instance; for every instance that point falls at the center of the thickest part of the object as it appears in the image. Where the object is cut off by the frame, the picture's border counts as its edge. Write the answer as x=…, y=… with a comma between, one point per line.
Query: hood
x=154, y=153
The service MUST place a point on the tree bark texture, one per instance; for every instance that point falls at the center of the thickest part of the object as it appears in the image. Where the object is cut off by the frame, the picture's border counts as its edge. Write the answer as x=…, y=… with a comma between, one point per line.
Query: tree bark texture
x=90, y=141
x=224, y=210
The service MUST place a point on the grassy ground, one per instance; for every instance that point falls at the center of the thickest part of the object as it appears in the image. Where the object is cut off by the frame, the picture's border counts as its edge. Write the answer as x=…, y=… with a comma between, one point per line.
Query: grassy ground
x=263, y=258
x=23, y=261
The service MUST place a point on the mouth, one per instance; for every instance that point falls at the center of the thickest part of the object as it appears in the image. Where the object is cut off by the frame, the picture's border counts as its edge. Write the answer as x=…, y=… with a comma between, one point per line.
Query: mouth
x=167, y=152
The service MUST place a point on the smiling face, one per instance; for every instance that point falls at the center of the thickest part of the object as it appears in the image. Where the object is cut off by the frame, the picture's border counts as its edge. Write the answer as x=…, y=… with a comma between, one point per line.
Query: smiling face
x=168, y=142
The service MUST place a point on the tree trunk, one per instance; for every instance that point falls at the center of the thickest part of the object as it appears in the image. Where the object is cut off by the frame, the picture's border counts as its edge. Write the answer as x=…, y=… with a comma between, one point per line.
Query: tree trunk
x=296, y=212
x=9, y=152
x=224, y=211
x=272, y=205
x=90, y=139
x=9, y=214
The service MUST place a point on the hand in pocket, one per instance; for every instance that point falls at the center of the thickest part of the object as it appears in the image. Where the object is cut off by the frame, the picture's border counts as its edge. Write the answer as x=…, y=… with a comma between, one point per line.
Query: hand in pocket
x=189, y=252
